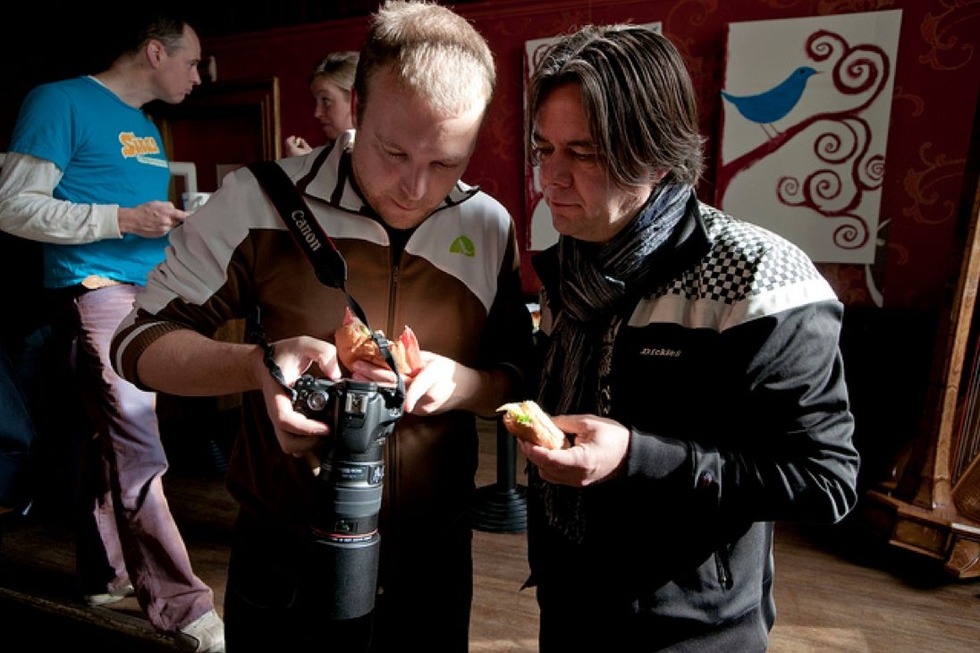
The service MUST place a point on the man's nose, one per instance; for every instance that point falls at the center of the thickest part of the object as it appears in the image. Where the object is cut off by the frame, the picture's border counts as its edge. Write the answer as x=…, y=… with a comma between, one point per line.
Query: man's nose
x=415, y=181
x=555, y=170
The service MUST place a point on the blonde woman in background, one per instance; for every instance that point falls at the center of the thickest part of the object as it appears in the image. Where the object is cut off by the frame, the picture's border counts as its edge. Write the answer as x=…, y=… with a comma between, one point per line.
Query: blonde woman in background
x=330, y=84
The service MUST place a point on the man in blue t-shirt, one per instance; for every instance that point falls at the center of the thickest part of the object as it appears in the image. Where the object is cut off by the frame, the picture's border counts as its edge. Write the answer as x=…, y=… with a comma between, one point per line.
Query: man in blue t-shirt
x=86, y=174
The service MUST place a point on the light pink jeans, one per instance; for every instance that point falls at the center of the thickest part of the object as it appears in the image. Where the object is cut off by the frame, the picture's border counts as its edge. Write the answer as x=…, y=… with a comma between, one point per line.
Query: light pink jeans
x=127, y=532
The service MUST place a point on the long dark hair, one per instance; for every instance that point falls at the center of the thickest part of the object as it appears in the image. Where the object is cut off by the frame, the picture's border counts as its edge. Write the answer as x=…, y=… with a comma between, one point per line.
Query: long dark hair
x=637, y=96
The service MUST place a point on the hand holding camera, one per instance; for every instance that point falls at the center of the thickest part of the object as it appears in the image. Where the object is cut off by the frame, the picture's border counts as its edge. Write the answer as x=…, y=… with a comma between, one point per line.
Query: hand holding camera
x=344, y=525
x=344, y=538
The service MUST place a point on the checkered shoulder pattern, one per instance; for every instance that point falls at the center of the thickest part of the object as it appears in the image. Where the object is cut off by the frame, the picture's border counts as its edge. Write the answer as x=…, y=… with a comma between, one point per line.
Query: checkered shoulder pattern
x=748, y=271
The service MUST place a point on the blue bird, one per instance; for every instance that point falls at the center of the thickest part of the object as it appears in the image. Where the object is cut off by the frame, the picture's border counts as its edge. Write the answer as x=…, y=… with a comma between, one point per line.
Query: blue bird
x=769, y=106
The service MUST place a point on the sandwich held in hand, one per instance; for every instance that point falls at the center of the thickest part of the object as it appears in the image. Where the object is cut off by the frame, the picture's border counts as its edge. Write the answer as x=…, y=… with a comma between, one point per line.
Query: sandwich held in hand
x=354, y=342
x=527, y=421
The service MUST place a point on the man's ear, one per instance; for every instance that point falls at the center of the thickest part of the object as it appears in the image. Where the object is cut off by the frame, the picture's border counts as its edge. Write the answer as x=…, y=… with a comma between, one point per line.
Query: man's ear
x=355, y=103
x=154, y=52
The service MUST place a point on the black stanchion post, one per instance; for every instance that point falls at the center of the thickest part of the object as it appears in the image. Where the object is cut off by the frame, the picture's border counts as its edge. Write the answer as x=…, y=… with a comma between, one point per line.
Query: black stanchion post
x=502, y=507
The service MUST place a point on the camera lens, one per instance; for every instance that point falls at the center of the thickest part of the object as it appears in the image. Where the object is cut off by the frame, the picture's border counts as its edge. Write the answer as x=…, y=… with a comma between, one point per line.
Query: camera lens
x=344, y=520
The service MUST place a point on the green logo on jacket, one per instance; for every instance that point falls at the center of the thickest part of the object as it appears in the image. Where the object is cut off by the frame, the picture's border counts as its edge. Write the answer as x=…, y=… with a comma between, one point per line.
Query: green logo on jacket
x=463, y=245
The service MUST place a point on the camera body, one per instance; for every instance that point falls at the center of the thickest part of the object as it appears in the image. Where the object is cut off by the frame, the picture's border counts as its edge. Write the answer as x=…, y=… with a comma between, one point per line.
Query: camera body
x=344, y=527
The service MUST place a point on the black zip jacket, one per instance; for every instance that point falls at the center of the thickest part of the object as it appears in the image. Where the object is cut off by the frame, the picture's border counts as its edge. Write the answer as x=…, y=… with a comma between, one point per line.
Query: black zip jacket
x=730, y=378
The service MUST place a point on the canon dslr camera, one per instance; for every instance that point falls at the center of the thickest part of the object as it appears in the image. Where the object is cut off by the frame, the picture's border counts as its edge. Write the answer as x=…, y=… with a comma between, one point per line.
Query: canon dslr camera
x=349, y=487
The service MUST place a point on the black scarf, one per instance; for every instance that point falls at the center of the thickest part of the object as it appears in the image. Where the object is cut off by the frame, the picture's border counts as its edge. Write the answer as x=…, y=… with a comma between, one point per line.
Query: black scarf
x=598, y=284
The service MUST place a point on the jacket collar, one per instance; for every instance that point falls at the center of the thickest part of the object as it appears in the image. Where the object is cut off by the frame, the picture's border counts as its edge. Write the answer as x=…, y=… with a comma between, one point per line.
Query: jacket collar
x=688, y=244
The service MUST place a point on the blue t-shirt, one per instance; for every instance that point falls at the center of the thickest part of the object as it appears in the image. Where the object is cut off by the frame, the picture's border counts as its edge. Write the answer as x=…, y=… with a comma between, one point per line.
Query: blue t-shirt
x=109, y=153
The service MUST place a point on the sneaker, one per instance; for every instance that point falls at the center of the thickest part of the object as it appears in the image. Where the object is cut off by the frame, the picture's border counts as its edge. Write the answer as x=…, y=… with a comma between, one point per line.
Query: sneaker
x=206, y=634
x=105, y=598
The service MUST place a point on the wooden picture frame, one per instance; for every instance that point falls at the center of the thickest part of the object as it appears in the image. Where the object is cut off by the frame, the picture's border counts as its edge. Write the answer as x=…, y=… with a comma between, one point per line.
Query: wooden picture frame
x=223, y=125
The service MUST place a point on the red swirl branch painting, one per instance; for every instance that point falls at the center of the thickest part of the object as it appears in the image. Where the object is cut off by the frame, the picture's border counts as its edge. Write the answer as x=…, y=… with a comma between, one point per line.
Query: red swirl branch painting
x=845, y=169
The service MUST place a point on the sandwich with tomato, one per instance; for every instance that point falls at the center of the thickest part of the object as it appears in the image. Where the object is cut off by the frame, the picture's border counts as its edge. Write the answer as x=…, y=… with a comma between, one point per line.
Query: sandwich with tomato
x=354, y=342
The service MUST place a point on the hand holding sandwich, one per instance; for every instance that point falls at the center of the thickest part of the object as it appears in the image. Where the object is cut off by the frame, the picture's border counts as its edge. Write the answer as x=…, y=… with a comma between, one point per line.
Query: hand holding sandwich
x=599, y=452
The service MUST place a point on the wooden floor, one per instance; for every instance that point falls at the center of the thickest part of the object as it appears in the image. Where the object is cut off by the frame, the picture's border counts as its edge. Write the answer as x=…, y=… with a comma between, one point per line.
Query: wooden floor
x=837, y=589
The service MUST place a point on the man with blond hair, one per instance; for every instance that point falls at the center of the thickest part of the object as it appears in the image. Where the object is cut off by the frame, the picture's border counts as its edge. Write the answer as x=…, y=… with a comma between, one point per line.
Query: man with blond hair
x=422, y=249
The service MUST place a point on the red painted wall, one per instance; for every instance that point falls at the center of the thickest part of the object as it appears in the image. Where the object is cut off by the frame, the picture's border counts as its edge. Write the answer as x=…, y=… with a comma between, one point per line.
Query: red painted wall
x=937, y=79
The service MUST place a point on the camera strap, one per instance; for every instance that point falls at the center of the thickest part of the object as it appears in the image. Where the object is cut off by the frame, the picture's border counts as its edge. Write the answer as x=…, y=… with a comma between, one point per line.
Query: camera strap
x=327, y=261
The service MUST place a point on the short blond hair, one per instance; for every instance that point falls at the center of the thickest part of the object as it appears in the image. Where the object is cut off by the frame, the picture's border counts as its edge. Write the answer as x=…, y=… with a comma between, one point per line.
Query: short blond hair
x=433, y=52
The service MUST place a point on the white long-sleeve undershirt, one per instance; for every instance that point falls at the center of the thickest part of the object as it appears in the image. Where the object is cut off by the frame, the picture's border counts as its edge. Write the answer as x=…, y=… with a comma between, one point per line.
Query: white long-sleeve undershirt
x=28, y=208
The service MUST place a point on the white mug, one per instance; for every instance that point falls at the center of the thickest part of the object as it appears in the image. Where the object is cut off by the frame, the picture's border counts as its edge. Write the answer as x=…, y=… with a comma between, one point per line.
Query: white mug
x=194, y=201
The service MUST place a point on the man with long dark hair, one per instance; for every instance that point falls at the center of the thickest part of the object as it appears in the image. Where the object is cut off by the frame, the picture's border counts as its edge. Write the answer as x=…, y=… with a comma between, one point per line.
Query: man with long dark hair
x=692, y=357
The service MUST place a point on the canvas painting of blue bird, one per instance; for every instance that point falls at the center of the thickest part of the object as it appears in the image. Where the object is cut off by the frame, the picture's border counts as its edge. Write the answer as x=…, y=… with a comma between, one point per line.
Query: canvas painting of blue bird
x=804, y=129
x=767, y=107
